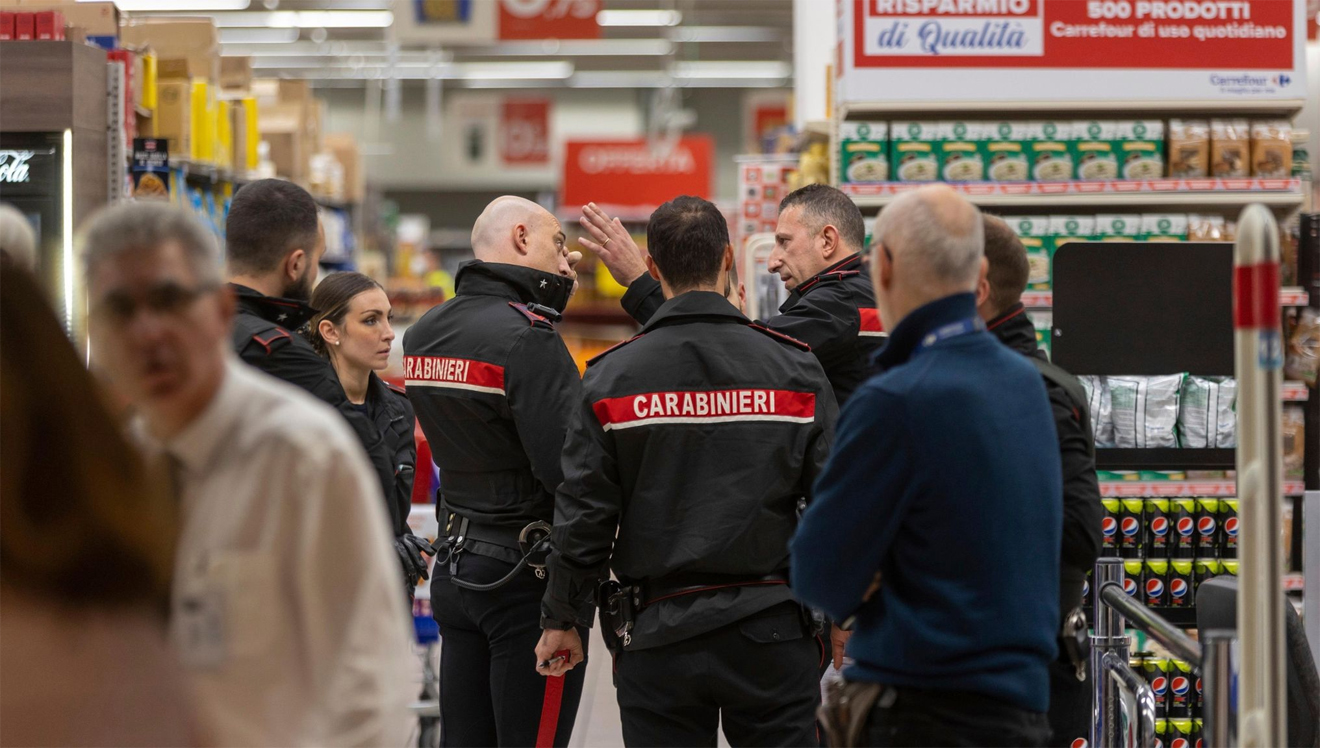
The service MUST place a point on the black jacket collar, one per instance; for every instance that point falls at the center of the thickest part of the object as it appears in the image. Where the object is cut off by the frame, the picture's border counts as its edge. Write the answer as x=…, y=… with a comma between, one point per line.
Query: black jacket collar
x=695, y=306
x=1015, y=330
x=287, y=313
x=513, y=282
x=905, y=338
x=843, y=268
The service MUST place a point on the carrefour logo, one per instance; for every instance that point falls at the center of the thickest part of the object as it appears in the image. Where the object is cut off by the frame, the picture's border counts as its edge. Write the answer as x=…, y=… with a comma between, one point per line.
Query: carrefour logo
x=1282, y=81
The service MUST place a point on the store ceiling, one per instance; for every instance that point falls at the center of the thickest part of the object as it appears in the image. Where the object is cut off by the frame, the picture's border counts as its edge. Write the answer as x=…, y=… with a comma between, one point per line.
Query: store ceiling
x=643, y=44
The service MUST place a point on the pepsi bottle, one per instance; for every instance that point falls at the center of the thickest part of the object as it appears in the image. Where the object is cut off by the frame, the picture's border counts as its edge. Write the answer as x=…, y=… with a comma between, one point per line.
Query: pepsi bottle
x=1156, y=584
x=1181, y=693
x=1130, y=528
x=1228, y=522
x=1182, y=512
x=1158, y=528
x=1133, y=573
x=1207, y=569
x=1180, y=733
x=1156, y=671
x=1109, y=528
x=1207, y=528
x=1182, y=583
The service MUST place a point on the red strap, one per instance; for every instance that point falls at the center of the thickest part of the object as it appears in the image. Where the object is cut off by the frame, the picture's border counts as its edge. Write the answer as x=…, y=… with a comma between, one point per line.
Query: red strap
x=554, y=697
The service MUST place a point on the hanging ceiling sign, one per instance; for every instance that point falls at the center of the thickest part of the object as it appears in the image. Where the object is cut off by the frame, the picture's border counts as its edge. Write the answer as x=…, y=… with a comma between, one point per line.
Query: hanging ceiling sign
x=629, y=176
x=549, y=19
x=1058, y=50
x=450, y=22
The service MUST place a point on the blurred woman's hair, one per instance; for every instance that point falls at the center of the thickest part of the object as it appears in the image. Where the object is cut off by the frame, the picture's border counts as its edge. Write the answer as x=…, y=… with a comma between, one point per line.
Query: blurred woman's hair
x=82, y=518
x=333, y=295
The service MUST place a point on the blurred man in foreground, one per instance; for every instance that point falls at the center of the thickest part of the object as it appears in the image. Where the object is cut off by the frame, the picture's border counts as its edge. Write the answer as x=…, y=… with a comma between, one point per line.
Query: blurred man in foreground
x=935, y=527
x=286, y=612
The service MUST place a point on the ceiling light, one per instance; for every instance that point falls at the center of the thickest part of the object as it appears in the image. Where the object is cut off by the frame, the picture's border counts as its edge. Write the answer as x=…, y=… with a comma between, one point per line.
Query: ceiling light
x=756, y=34
x=639, y=18
x=620, y=79
x=513, y=70
x=588, y=48
x=307, y=19
x=712, y=69
x=166, y=5
x=258, y=36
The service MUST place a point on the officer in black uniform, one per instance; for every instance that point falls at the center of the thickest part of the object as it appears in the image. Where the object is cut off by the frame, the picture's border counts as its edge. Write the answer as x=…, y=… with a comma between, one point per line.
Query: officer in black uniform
x=831, y=305
x=273, y=241
x=494, y=386
x=694, y=444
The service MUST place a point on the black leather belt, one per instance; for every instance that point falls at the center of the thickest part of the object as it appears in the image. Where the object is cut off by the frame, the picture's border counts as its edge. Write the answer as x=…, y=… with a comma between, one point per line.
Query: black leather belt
x=677, y=585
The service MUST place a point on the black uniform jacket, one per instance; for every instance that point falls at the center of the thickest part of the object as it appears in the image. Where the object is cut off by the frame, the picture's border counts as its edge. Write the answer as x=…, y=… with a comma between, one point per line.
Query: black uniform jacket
x=833, y=312
x=264, y=337
x=693, y=442
x=389, y=409
x=494, y=386
x=1082, y=510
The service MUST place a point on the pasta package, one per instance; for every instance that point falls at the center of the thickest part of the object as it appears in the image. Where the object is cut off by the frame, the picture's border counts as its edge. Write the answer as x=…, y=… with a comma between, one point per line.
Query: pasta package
x=916, y=154
x=964, y=159
x=1066, y=229
x=863, y=152
x=1207, y=415
x=1111, y=227
x=1294, y=441
x=1145, y=410
x=1189, y=148
x=1051, y=151
x=1093, y=150
x=1007, y=152
x=1164, y=227
x=1139, y=148
x=1034, y=233
x=1098, y=402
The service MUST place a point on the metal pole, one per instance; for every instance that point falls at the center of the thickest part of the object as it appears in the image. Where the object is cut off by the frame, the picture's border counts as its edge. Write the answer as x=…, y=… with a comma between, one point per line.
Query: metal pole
x=1143, y=698
x=1217, y=677
x=1110, y=638
x=1181, y=645
x=1259, y=349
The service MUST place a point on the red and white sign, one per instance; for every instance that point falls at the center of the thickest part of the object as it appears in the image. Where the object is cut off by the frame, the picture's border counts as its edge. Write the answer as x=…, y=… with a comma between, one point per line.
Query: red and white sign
x=549, y=19
x=1006, y=50
x=630, y=177
x=525, y=132
x=718, y=406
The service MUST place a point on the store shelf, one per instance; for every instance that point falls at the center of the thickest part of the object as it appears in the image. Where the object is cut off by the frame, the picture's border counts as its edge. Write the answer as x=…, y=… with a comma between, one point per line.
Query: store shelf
x=1176, y=488
x=1288, y=296
x=205, y=171
x=1294, y=582
x=1296, y=392
x=1284, y=108
x=1165, y=459
x=1136, y=193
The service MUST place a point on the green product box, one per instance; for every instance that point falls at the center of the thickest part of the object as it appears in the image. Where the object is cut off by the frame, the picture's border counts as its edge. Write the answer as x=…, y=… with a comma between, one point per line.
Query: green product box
x=1164, y=227
x=916, y=152
x=1139, y=145
x=1051, y=151
x=962, y=144
x=1065, y=229
x=1006, y=149
x=863, y=152
x=1034, y=232
x=1118, y=227
x=1093, y=150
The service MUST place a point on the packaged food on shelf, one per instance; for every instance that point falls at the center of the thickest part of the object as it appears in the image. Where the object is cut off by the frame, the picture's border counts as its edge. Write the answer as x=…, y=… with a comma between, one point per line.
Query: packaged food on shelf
x=1301, y=154
x=863, y=152
x=1271, y=149
x=1164, y=227
x=1303, y=356
x=1115, y=227
x=1189, y=148
x=173, y=118
x=1006, y=152
x=916, y=153
x=1205, y=228
x=1230, y=148
x=1101, y=407
x=1034, y=232
x=151, y=169
x=1145, y=410
x=1070, y=228
x=1294, y=441
x=1207, y=414
x=1139, y=145
x=1051, y=151
x=1286, y=515
x=1042, y=321
x=964, y=154
x=1093, y=150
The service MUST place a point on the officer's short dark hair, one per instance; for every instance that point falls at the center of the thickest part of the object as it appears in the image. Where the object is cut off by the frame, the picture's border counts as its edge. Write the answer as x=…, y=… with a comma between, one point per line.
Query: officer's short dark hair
x=268, y=219
x=823, y=205
x=687, y=237
x=1008, y=264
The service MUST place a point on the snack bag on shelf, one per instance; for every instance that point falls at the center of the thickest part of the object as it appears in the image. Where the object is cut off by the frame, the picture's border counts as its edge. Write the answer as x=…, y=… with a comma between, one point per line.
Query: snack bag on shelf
x=1202, y=228
x=1230, y=148
x=1093, y=150
x=1189, y=148
x=864, y=152
x=1118, y=227
x=1271, y=149
x=1301, y=154
x=1140, y=148
x=915, y=152
x=964, y=159
x=1207, y=415
x=1294, y=441
x=1051, y=151
x=1145, y=410
x=1303, y=359
x=1065, y=229
x=1006, y=150
x=1164, y=227
x=1098, y=402
x=1034, y=232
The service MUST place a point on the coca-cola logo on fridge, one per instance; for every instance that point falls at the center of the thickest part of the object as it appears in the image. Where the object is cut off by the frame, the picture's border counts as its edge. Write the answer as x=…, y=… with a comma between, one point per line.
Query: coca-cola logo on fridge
x=28, y=171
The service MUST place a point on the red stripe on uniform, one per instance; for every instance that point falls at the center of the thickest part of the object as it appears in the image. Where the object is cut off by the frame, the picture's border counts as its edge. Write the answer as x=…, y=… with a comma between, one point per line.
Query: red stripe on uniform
x=871, y=324
x=456, y=373
x=706, y=407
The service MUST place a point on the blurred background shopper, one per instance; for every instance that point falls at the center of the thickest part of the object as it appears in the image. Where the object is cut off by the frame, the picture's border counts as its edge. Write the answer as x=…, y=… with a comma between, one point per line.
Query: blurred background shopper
x=286, y=613
x=87, y=537
x=949, y=577
x=18, y=243
x=999, y=302
x=353, y=331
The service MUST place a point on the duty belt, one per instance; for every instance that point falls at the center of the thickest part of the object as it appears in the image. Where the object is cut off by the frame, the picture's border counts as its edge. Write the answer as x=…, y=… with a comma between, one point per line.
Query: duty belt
x=619, y=604
x=526, y=547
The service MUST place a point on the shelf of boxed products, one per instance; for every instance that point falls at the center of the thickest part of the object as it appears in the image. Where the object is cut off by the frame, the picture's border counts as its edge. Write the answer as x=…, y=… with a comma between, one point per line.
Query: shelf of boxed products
x=1130, y=489
x=1133, y=192
x=1289, y=296
x=1074, y=107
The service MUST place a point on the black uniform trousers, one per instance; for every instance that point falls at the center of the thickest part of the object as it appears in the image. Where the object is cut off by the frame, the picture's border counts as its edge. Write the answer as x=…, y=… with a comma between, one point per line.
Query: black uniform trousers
x=940, y=719
x=761, y=674
x=490, y=691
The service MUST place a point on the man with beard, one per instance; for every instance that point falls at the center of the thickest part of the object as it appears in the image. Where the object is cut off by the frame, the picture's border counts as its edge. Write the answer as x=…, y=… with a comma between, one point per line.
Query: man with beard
x=274, y=241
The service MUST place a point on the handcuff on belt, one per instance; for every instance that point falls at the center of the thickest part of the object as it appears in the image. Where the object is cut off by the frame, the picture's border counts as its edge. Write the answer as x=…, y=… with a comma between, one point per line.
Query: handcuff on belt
x=533, y=543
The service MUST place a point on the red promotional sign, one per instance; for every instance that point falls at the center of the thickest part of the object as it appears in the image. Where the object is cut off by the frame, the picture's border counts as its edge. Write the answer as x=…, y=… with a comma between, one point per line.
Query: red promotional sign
x=1133, y=34
x=628, y=175
x=549, y=19
x=525, y=132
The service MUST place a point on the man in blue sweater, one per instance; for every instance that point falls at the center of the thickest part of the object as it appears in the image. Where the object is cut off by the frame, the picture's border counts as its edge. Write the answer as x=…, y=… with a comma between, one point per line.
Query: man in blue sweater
x=935, y=527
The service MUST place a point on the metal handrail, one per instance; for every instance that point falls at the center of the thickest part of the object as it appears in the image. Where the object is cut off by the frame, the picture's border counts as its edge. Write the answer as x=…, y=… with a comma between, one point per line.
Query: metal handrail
x=1155, y=626
x=1142, y=695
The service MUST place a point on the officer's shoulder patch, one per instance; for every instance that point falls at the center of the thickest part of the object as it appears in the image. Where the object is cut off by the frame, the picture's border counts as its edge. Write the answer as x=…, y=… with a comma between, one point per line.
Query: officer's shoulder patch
x=781, y=337
x=827, y=278
x=536, y=320
x=614, y=348
x=271, y=338
x=396, y=389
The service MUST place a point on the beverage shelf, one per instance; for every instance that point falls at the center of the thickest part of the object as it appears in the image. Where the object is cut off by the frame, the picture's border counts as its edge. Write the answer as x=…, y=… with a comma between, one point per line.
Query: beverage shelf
x=1289, y=296
x=1147, y=192
x=1175, y=488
